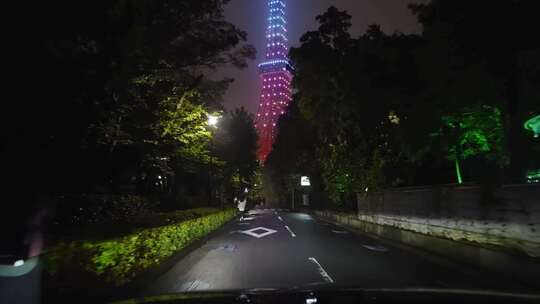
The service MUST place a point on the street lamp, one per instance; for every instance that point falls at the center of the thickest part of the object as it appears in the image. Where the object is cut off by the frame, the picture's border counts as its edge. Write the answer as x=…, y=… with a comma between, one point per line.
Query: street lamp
x=212, y=122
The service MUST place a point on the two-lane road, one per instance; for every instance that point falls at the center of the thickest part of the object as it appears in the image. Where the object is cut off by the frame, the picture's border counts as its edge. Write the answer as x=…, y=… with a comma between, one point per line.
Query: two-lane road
x=275, y=249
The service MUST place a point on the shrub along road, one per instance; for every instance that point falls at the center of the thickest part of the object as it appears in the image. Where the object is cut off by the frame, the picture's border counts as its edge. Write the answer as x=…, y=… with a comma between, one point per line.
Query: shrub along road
x=101, y=265
x=271, y=249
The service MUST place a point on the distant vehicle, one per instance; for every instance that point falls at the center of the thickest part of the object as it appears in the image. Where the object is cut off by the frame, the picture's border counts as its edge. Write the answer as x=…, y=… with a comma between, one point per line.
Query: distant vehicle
x=326, y=294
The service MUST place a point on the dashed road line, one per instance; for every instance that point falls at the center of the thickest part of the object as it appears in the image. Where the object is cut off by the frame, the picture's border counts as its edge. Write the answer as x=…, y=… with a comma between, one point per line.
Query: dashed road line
x=279, y=218
x=194, y=285
x=290, y=231
x=376, y=248
x=323, y=272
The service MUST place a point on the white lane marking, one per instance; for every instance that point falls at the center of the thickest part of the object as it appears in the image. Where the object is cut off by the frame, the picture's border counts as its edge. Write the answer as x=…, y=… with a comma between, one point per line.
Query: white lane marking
x=339, y=232
x=376, y=248
x=323, y=272
x=279, y=218
x=290, y=231
x=194, y=285
x=253, y=233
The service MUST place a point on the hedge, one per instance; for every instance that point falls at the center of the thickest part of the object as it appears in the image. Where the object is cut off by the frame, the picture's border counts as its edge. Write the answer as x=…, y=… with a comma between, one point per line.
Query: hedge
x=119, y=260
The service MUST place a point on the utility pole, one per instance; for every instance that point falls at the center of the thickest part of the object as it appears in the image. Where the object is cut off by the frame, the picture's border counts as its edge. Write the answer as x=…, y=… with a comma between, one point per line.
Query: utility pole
x=212, y=122
x=292, y=202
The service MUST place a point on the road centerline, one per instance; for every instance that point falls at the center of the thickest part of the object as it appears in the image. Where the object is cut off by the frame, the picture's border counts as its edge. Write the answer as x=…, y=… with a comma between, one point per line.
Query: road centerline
x=290, y=231
x=323, y=272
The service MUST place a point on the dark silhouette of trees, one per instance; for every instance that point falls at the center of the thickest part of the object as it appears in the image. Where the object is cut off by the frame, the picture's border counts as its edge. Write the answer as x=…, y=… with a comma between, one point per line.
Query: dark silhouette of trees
x=113, y=96
x=237, y=145
x=392, y=110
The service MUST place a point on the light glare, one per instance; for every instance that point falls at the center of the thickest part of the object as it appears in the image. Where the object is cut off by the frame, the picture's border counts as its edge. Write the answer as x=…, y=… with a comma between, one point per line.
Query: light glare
x=18, y=263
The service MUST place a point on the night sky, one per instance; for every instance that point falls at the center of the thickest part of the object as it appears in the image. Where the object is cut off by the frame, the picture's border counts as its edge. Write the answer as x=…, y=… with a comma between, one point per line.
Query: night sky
x=249, y=15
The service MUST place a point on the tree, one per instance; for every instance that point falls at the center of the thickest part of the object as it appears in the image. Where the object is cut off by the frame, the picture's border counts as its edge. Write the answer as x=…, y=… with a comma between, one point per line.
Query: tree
x=121, y=91
x=475, y=130
x=348, y=88
x=293, y=153
x=501, y=41
x=161, y=110
x=236, y=145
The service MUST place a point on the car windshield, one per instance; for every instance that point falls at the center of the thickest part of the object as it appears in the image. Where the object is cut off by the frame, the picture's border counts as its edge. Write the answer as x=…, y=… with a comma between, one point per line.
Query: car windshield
x=177, y=146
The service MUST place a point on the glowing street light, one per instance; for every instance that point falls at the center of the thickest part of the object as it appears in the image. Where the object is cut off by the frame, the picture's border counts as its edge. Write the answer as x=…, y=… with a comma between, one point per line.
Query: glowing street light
x=213, y=120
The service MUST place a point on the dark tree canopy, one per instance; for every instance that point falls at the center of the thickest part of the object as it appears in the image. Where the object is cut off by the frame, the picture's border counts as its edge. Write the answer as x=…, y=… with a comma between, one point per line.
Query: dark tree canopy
x=394, y=110
x=113, y=96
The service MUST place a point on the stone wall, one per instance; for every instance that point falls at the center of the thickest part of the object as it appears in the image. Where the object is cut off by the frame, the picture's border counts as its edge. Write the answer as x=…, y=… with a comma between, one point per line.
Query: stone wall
x=523, y=269
x=509, y=221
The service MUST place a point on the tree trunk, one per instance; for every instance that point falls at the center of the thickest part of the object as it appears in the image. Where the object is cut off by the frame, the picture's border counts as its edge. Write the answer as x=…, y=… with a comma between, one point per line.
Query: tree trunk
x=458, y=171
x=513, y=125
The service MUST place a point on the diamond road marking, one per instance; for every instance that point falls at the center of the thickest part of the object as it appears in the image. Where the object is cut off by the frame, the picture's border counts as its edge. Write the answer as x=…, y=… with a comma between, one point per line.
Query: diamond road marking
x=251, y=232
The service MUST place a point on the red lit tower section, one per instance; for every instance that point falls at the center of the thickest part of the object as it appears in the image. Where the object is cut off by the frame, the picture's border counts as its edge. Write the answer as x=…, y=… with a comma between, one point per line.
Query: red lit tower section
x=276, y=77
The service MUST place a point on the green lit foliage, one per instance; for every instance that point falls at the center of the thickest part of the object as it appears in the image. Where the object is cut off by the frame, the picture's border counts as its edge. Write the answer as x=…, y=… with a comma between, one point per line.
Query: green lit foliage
x=506, y=64
x=185, y=123
x=336, y=175
x=119, y=260
x=475, y=130
x=533, y=125
x=351, y=171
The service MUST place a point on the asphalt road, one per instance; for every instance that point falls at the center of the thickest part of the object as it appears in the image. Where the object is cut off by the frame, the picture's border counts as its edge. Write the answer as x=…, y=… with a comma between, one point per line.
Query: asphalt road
x=277, y=249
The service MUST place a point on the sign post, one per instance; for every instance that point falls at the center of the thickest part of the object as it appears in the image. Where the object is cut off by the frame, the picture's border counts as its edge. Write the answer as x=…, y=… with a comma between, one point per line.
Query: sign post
x=305, y=183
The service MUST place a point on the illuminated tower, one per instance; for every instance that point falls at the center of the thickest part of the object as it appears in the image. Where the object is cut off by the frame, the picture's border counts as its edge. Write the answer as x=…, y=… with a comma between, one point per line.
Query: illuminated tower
x=276, y=77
